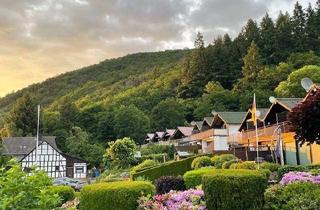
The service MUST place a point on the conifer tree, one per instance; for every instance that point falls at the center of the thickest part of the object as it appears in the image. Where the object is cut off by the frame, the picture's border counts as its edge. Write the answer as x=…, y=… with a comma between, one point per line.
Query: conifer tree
x=267, y=42
x=298, y=28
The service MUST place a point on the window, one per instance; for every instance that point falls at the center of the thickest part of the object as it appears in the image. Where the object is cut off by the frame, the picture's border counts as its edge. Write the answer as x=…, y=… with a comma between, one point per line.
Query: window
x=79, y=169
x=57, y=168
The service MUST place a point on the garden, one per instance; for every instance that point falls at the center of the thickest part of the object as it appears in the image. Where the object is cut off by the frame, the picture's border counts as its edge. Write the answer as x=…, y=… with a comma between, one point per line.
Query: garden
x=148, y=182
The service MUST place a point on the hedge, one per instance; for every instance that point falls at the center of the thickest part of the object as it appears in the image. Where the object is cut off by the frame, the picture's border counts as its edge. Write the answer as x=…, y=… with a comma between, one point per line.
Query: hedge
x=193, y=178
x=66, y=193
x=234, y=189
x=144, y=165
x=172, y=168
x=199, y=162
x=114, y=195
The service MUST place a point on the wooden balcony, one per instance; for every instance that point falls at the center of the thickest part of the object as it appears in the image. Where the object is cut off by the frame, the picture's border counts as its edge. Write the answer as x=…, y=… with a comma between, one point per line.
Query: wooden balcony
x=267, y=134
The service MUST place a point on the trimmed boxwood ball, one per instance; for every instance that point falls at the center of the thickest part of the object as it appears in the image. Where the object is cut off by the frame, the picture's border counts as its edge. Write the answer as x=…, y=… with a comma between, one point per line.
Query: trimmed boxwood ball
x=218, y=160
x=244, y=165
x=192, y=179
x=166, y=183
x=270, y=166
x=114, y=195
x=227, y=164
x=66, y=193
x=200, y=162
x=234, y=189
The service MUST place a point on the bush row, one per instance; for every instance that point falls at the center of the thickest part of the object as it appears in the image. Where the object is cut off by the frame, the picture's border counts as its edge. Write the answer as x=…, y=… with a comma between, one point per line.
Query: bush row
x=66, y=193
x=234, y=189
x=173, y=168
x=287, y=168
x=114, y=195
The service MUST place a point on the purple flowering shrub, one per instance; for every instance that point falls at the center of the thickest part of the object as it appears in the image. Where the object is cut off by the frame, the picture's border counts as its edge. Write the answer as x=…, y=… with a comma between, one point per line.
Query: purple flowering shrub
x=292, y=177
x=192, y=199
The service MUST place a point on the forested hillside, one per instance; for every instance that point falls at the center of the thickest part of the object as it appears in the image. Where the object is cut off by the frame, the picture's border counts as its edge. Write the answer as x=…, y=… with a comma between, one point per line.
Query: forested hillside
x=144, y=92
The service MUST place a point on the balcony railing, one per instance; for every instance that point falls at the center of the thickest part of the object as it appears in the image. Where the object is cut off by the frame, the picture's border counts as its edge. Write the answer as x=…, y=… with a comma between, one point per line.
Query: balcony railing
x=265, y=134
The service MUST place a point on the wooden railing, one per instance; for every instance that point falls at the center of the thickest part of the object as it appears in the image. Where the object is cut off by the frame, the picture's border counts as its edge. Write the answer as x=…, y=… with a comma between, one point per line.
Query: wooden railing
x=265, y=134
x=202, y=135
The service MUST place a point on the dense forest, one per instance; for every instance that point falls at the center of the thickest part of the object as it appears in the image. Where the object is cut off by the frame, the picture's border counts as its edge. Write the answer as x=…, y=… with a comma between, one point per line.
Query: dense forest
x=147, y=92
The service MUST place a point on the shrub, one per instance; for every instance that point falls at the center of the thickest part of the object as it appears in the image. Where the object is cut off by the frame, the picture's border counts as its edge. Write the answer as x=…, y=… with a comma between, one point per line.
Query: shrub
x=173, y=168
x=292, y=177
x=194, y=178
x=144, y=165
x=218, y=160
x=190, y=199
x=245, y=165
x=156, y=157
x=170, y=150
x=234, y=189
x=114, y=195
x=227, y=164
x=287, y=168
x=66, y=193
x=200, y=162
x=293, y=196
x=270, y=166
x=166, y=183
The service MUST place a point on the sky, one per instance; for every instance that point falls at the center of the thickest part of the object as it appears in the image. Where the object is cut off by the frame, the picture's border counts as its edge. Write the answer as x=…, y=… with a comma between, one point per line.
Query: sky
x=43, y=38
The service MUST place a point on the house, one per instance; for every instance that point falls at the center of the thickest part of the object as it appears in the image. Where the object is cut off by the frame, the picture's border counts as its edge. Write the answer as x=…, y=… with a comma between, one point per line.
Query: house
x=48, y=157
x=214, y=131
x=182, y=135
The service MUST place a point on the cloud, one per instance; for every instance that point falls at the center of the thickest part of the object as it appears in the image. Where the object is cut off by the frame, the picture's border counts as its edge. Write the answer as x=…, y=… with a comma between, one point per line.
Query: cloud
x=40, y=39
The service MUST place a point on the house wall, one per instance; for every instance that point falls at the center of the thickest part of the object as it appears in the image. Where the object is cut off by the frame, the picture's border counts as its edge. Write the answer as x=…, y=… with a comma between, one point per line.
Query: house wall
x=48, y=159
x=80, y=170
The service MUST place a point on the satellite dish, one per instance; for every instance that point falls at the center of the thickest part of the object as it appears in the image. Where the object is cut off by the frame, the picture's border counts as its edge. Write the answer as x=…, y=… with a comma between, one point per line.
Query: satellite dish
x=306, y=83
x=272, y=99
x=258, y=113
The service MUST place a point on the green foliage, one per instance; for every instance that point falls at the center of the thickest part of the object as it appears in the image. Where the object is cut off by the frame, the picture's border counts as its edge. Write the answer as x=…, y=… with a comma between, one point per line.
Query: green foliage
x=157, y=157
x=121, y=152
x=251, y=165
x=19, y=190
x=172, y=168
x=292, y=87
x=66, y=193
x=273, y=167
x=218, y=160
x=293, y=196
x=193, y=178
x=170, y=150
x=234, y=189
x=167, y=114
x=78, y=145
x=227, y=164
x=114, y=195
x=287, y=168
x=200, y=162
x=144, y=165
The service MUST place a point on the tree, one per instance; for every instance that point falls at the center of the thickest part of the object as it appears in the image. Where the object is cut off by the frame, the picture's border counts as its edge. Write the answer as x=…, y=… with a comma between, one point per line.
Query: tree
x=68, y=112
x=305, y=118
x=23, y=116
x=312, y=29
x=20, y=190
x=168, y=113
x=131, y=122
x=292, y=87
x=78, y=145
x=267, y=42
x=121, y=152
x=298, y=28
x=252, y=66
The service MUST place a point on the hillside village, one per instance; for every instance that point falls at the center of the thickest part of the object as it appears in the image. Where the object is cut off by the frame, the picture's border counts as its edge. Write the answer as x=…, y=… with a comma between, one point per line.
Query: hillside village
x=232, y=124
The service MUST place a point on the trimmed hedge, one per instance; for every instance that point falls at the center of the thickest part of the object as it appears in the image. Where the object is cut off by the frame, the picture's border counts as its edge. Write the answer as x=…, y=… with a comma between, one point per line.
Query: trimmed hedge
x=194, y=178
x=301, y=195
x=144, y=165
x=66, y=193
x=167, y=183
x=251, y=165
x=227, y=164
x=114, y=195
x=200, y=162
x=270, y=166
x=234, y=189
x=172, y=168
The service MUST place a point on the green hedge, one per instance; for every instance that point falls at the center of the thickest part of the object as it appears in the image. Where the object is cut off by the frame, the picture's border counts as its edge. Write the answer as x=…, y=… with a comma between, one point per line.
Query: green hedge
x=270, y=166
x=144, y=165
x=200, y=162
x=234, y=189
x=66, y=193
x=173, y=168
x=302, y=195
x=114, y=195
x=194, y=178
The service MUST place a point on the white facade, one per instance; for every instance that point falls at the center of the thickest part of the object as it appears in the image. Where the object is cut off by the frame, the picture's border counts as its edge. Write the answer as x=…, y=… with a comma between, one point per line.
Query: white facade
x=48, y=159
x=80, y=170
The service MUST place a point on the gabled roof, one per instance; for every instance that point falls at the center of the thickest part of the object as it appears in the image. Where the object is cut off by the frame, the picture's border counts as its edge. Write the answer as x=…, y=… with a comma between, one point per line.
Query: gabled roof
x=230, y=117
x=289, y=103
x=160, y=134
x=198, y=124
x=209, y=120
x=263, y=113
x=20, y=146
x=186, y=131
x=150, y=136
x=170, y=132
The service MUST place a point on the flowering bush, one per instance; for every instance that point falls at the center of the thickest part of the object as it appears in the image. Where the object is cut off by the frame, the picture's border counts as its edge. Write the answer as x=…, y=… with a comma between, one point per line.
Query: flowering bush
x=292, y=177
x=192, y=199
